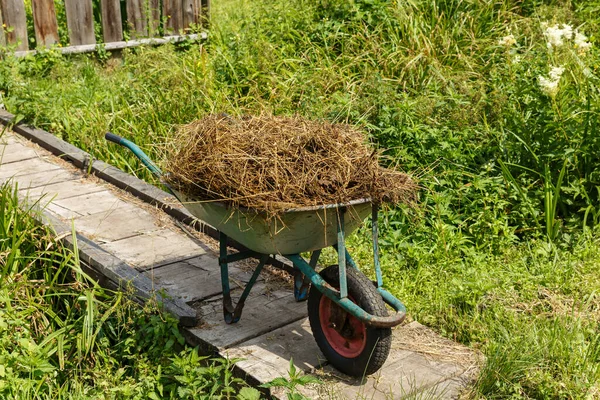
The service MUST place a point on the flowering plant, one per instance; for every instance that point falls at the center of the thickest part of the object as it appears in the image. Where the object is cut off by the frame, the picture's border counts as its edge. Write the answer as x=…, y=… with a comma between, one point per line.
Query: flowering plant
x=553, y=107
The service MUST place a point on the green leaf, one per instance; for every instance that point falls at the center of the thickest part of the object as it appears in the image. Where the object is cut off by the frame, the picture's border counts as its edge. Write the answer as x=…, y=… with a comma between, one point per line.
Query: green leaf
x=248, y=393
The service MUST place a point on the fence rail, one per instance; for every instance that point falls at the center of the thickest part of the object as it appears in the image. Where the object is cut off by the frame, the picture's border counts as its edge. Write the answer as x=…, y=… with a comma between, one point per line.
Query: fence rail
x=139, y=19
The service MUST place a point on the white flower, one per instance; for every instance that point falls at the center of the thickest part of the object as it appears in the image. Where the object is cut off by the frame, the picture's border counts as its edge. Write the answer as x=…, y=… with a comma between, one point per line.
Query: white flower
x=507, y=41
x=548, y=86
x=554, y=34
x=516, y=59
x=567, y=31
x=555, y=73
x=581, y=42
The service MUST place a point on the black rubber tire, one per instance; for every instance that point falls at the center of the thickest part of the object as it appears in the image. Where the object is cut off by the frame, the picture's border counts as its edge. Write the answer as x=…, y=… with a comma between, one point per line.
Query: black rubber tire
x=378, y=340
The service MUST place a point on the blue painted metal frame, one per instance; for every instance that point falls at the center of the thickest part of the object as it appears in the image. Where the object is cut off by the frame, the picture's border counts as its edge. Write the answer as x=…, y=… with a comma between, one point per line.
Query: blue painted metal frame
x=307, y=274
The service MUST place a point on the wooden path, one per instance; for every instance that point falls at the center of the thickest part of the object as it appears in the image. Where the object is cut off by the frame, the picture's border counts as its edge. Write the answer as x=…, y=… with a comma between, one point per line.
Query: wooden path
x=273, y=328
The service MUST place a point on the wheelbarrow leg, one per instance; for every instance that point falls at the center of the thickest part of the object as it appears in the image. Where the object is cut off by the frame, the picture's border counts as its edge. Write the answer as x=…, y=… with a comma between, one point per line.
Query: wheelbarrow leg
x=230, y=313
x=301, y=281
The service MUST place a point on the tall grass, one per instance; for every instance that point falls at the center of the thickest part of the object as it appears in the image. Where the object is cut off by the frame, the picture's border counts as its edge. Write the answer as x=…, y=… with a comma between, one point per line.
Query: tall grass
x=62, y=336
x=502, y=253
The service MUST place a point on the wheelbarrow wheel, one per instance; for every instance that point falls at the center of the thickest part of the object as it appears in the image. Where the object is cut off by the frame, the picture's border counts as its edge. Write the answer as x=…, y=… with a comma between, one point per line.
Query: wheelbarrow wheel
x=349, y=344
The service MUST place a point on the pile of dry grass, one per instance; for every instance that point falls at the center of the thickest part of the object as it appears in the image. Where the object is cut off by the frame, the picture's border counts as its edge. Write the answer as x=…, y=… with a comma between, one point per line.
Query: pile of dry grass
x=272, y=163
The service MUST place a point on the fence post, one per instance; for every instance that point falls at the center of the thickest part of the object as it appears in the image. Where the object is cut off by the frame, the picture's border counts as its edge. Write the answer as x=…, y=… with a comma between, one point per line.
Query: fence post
x=13, y=14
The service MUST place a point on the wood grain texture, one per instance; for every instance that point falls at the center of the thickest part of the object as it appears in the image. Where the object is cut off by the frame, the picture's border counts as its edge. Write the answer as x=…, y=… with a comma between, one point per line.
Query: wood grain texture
x=192, y=10
x=112, y=29
x=44, y=22
x=143, y=17
x=80, y=21
x=173, y=15
x=13, y=15
x=2, y=38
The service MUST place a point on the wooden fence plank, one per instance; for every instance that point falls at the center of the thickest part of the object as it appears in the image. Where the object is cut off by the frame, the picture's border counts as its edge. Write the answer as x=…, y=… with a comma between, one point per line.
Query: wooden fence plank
x=80, y=21
x=173, y=13
x=154, y=22
x=192, y=10
x=13, y=14
x=136, y=18
x=44, y=22
x=112, y=29
x=2, y=38
x=143, y=17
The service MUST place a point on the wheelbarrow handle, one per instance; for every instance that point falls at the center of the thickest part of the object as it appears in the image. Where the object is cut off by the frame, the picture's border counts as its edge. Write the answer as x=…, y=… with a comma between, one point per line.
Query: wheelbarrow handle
x=111, y=137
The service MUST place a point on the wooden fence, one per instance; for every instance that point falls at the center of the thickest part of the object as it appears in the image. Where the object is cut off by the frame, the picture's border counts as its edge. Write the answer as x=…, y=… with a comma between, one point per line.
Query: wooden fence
x=143, y=19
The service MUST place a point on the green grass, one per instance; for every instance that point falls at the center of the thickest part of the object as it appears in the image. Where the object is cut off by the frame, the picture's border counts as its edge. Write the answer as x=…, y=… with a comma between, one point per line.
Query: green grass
x=502, y=253
x=64, y=337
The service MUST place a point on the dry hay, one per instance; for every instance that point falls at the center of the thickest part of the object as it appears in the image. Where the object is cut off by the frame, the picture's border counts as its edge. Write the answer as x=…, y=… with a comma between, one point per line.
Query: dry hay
x=270, y=164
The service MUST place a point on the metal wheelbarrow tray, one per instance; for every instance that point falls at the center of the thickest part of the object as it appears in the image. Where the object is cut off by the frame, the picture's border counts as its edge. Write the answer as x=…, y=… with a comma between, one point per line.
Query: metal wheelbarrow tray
x=347, y=311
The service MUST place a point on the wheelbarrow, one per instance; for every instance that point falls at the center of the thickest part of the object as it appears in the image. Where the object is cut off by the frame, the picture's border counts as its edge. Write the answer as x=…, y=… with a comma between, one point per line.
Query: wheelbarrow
x=347, y=312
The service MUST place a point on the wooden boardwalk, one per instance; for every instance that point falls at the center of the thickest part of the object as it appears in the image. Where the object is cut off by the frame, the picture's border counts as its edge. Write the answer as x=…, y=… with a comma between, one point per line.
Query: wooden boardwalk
x=273, y=328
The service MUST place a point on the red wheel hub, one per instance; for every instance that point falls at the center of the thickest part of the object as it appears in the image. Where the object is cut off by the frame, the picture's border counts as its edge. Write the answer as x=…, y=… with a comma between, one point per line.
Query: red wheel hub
x=345, y=333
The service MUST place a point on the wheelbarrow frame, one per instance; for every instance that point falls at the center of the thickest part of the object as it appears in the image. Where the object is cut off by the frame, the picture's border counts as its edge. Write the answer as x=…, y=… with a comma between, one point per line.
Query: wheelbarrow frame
x=306, y=274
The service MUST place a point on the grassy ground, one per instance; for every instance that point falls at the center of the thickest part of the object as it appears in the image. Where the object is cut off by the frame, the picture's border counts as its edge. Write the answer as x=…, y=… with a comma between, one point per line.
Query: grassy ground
x=503, y=252
x=62, y=336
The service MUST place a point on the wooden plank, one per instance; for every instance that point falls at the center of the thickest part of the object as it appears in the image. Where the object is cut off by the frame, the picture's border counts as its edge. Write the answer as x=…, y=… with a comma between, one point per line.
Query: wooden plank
x=173, y=15
x=154, y=17
x=47, y=140
x=13, y=15
x=116, y=271
x=197, y=278
x=42, y=178
x=16, y=152
x=266, y=310
x=155, y=249
x=136, y=18
x=26, y=167
x=2, y=37
x=122, y=45
x=112, y=29
x=80, y=21
x=44, y=22
x=267, y=357
x=192, y=10
x=116, y=224
x=62, y=190
x=92, y=203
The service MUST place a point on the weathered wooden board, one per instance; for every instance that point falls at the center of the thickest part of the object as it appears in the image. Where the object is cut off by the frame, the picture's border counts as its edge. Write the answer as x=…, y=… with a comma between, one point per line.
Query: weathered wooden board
x=62, y=190
x=197, y=278
x=80, y=21
x=112, y=30
x=155, y=248
x=143, y=17
x=43, y=178
x=116, y=224
x=192, y=11
x=266, y=310
x=2, y=37
x=92, y=203
x=26, y=167
x=13, y=15
x=44, y=22
x=173, y=15
x=268, y=356
x=16, y=152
